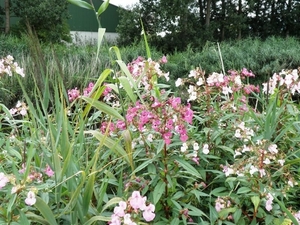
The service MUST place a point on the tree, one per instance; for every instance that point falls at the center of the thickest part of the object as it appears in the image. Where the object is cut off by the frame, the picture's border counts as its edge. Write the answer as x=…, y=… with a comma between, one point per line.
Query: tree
x=46, y=17
x=194, y=22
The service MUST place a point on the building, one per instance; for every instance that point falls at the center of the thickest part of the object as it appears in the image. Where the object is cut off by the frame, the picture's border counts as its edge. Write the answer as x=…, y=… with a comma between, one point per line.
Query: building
x=84, y=26
x=83, y=23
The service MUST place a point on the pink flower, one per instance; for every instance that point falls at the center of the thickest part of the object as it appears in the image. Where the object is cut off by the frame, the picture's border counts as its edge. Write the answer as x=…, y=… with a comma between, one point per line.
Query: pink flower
x=48, y=171
x=107, y=90
x=30, y=200
x=167, y=137
x=73, y=94
x=164, y=60
x=148, y=213
x=115, y=220
x=269, y=202
x=89, y=88
x=120, y=210
x=137, y=201
x=175, y=102
x=3, y=180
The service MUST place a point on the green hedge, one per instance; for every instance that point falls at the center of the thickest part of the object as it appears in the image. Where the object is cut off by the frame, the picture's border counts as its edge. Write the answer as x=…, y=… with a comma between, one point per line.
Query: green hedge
x=78, y=66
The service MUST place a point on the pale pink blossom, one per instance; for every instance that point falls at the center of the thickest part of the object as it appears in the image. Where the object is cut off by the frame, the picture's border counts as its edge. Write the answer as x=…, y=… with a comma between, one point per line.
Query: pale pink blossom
x=148, y=213
x=3, y=180
x=30, y=200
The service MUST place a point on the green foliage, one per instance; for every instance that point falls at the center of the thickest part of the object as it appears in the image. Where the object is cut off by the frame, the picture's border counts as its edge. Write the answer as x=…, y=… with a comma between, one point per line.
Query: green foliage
x=46, y=18
x=192, y=22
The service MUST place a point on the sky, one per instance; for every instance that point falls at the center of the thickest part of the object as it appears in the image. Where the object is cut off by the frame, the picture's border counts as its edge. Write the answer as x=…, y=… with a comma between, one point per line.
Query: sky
x=123, y=3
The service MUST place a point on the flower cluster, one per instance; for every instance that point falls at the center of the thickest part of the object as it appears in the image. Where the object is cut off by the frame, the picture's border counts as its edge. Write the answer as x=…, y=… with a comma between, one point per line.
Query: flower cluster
x=129, y=212
x=160, y=117
x=222, y=203
x=231, y=89
x=33, y=176
x=194, y=155
x=8, y=66
x=20, y=109
x=143, y=71
x=74, y=93
x=286, y=79
x=226, y=84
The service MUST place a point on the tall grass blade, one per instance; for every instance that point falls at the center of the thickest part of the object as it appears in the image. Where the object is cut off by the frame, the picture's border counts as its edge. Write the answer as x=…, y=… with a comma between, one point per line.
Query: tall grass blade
x=45, y=211
x=146, y=41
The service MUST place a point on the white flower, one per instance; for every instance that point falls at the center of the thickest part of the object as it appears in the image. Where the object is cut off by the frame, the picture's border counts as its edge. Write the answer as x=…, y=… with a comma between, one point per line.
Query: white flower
x=228, y=171
x=178, y=82
x=193, y=73
x=200, y=81
x=273, y=148
x=237, y=80
x=253, y=170
x=246, y=149
x=184, y=147
x=150, y=137
x=237, y=153
x=290, y=183
x=238, y=133
x=267, y=161
x=226, y=90
x=191, y=89
x=205, y=149
x=196, y=146
x=193, y=96
x=281, y=162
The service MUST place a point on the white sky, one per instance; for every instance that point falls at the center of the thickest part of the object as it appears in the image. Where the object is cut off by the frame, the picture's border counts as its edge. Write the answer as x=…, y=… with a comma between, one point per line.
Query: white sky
x=123, y=3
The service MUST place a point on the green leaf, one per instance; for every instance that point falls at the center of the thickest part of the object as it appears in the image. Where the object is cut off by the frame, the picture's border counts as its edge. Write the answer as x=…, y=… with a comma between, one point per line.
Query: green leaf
x=224, y=212
x=82, y=4
x=288, y=213
x=88, y=193
x=158, y=191
x=111, y=202
x=175, y=221
x=218, y=191
x=243, y=190
x=128, y=147
x=146, y=42
x=97, y=218
x=255, y=200
x=237, y=215
x=101, y=32
x=103, y=107
x=126, y=85
x=110, y=143
x=188, y=167
x=45, y=211
x=103, y=7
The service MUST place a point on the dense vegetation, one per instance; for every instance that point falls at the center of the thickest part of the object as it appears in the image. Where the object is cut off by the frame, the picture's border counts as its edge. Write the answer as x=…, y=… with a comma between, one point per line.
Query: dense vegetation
x=263, y=57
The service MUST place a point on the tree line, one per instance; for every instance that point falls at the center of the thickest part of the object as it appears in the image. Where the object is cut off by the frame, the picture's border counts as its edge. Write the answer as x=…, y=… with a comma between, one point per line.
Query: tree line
x=194, y=22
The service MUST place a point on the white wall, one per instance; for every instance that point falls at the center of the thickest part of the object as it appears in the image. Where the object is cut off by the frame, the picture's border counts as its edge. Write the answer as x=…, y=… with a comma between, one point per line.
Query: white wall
x=85, y=37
